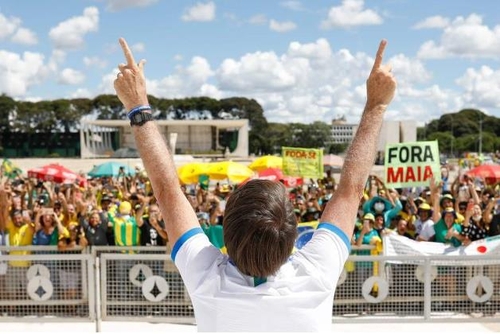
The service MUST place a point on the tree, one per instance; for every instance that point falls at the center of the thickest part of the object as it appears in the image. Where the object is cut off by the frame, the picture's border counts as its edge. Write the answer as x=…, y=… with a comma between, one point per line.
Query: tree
x=109, y=107
x=7, y=107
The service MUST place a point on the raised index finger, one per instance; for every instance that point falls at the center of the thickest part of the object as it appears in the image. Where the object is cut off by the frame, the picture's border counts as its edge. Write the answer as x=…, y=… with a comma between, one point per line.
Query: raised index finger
x=380, y=55
x=128, y=54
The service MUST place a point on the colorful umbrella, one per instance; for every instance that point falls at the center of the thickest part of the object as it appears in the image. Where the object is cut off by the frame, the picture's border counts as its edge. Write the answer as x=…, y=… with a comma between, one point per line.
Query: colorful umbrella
x=190, y=173
x=110, y=169
x=266, y=161
x=276, y=174
x=490, y=173
x=233, y=171
x=56, y=173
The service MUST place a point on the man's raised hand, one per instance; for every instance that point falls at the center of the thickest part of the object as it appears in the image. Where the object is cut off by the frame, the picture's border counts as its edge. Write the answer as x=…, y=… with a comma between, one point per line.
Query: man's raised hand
x=130, y=83
x=381, y=84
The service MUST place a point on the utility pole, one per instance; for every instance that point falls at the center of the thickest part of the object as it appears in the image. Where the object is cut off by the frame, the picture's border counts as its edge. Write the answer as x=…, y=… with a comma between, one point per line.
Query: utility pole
x=480, y=135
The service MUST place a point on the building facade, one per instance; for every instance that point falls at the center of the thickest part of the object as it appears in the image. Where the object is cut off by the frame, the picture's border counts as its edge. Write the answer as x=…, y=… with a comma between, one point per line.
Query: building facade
x=100, y=138
x=392, y=132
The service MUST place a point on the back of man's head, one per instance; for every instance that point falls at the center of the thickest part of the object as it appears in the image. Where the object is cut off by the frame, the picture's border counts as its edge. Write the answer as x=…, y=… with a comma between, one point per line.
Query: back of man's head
x=260, y=227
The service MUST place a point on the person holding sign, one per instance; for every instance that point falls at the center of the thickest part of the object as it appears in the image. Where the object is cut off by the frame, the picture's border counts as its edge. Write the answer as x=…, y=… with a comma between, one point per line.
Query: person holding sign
x=258, y=285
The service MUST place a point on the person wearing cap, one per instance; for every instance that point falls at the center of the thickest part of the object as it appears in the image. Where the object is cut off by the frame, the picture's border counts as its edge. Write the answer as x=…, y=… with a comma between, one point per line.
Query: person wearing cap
x=259, y=285
x=368, y=232
x=448, y=201
x=424, y=225
x=125, y=228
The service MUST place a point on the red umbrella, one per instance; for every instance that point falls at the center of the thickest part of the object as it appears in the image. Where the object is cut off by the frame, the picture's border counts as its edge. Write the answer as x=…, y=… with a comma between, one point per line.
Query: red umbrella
x=56, y=173
x=276, y=174
x=490, y=173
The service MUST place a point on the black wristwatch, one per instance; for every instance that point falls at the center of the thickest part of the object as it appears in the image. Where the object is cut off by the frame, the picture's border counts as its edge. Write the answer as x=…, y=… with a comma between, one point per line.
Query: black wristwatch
x=140, y=118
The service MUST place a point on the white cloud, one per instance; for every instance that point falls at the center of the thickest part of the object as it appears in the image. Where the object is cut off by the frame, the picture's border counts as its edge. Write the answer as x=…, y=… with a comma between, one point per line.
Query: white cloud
x=69, y=34
x=260, y=71
x=211, y=91
x=81, y=93
x=117, y=5
x=313, y=81
x=8, y=25
x=185, y=81
x=259, y=19
x=94, y=62
x=201, y=12
x=70, y=76
x=351, y=13
x=464, y=37
x=11, y=27
x=282, y=26
x=409, y=71
x=138, y=47
x=24, y=36
x=481, y=86
x=293, y=5
x=178, y=57
x=107, y=83
x=19, y=72
x=433, y=22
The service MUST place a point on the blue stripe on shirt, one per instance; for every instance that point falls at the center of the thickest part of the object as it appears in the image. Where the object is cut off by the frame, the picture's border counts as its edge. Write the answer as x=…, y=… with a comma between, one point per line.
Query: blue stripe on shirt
x=185, y=237
x=337, y=231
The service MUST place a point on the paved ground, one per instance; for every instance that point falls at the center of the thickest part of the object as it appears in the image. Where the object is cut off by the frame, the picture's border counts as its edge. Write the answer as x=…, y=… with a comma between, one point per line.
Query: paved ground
x=145, y=327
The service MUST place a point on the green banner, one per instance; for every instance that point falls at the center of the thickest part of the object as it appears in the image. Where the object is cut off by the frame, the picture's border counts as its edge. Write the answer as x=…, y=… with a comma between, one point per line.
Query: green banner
x=411, y=164
x=304, y=162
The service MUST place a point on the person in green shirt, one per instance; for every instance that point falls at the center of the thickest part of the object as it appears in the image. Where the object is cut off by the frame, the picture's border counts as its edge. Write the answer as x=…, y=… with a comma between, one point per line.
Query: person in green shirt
x=446, y=230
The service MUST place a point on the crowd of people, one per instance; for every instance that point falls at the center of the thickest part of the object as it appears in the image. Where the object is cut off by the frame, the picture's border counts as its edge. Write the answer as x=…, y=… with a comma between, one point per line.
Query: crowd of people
x=122, y=211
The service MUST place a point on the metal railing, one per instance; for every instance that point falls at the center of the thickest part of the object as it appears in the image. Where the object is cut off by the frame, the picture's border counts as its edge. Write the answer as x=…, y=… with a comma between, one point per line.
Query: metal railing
x=142, y=284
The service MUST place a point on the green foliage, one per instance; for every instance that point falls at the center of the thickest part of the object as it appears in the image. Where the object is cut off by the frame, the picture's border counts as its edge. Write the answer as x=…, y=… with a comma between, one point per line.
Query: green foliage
x=463, y=131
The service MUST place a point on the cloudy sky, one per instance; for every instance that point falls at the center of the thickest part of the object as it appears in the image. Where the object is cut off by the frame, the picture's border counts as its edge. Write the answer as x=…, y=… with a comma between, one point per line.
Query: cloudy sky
x=301, y=60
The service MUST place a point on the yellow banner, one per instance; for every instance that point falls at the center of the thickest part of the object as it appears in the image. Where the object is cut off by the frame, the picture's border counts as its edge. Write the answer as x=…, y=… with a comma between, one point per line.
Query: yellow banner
x=411, y=164
x=305, y=162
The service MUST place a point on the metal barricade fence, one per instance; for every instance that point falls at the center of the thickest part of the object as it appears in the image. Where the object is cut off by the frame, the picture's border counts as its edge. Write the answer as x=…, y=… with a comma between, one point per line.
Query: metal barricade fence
x=39, y=283
x=142, y=284
x=139, y=285
x=419, y=288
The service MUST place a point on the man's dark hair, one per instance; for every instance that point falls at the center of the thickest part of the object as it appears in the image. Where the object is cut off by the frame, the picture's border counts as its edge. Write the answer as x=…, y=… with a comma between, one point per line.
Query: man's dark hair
x=260, y=227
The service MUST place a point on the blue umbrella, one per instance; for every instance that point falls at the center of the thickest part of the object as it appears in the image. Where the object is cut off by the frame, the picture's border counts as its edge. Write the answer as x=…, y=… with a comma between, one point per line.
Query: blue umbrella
x=111, y=168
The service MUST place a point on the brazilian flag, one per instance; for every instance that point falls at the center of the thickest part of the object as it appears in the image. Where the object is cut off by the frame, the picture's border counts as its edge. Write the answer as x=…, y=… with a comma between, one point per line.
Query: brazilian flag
x=10, y=170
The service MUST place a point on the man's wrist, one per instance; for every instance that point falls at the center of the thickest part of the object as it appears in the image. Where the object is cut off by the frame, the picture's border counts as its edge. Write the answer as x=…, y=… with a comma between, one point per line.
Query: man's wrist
x=138, y=108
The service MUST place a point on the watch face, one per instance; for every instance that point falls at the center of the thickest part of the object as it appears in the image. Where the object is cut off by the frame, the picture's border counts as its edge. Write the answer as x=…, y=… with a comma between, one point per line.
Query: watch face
x=137, y=117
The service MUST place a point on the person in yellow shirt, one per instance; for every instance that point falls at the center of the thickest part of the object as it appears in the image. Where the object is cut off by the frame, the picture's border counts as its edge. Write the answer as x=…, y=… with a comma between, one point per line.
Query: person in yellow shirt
x=20, y=231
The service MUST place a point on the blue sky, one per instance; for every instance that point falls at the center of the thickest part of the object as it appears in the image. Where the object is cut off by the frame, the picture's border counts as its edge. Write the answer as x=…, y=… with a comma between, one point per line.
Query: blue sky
x=303, y=61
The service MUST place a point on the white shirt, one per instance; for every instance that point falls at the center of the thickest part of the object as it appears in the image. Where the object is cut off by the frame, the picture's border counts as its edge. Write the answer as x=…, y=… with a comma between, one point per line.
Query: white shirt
x=425, y=230
x=298, y=298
